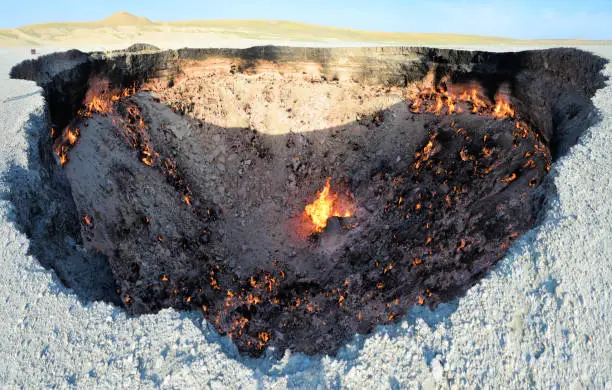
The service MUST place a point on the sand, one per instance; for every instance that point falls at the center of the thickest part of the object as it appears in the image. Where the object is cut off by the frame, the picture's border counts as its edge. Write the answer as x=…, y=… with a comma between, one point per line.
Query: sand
x=123, y=29
x=540, y=319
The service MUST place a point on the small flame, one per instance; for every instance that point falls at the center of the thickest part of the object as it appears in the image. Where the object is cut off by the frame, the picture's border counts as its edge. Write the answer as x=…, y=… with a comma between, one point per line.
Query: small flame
x=63, y=159
x=98, y=105
x=478, y=103
x=72, y=136
x=326, y=205
x=502, y=108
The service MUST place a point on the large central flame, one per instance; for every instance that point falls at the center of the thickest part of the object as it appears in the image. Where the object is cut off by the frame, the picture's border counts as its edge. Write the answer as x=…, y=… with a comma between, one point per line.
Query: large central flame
x=326, y=205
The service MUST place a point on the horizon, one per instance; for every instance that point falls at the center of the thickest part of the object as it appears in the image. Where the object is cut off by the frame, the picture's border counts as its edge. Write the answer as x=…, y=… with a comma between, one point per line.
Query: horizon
x=518, y=19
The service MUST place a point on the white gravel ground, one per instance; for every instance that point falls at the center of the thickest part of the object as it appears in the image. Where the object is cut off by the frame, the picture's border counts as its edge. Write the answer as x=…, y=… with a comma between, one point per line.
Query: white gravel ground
x=542, y=319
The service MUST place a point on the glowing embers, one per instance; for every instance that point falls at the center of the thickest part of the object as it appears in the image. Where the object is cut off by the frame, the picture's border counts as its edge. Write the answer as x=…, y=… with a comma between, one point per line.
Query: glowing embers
x=326, y=205
x=459, y=99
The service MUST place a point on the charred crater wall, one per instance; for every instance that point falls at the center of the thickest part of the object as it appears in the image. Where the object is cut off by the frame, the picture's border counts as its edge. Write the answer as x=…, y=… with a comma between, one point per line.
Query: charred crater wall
x=550, y=88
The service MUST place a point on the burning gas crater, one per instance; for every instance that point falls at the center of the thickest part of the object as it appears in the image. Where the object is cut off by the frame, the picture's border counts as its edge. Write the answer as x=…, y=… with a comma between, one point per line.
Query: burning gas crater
x=293, y=208
x=423, y=195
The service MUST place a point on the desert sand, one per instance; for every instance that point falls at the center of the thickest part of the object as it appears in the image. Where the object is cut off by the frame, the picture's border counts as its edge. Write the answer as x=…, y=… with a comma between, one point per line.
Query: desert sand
x=123, y=29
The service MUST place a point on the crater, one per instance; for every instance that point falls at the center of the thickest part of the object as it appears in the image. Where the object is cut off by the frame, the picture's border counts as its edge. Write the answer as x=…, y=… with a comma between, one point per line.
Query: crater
x=296, y=196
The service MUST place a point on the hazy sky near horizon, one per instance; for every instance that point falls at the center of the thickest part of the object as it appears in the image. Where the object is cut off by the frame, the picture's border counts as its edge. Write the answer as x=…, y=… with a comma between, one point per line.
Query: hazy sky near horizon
x=589, y=19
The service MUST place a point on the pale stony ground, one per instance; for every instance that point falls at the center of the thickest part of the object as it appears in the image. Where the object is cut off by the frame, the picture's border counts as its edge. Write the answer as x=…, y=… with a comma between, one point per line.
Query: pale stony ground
x=541, y=319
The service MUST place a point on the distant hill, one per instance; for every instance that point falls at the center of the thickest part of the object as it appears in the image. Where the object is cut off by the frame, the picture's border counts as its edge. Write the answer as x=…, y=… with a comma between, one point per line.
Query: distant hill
x=123, y=29
x=124, y=19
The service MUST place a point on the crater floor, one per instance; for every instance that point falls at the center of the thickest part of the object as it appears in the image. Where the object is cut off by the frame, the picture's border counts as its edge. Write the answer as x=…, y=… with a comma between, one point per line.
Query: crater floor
x=437, y=199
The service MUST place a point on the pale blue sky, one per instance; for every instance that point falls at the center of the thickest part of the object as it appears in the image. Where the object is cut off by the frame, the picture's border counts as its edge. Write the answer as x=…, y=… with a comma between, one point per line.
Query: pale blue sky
x=591, y=19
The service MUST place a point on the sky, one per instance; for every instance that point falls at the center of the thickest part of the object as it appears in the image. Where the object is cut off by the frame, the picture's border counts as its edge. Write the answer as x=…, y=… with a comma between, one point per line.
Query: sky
x=528, y=19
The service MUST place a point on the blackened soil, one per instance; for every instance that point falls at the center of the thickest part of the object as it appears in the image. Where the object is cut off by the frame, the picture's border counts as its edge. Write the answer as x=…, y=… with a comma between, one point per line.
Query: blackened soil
x=439, y=199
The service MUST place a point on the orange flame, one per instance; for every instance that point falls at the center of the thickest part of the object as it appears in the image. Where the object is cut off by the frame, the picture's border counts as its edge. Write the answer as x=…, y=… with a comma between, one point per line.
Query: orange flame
x=99, y=99
x=62, y=145
x=98, y=105
x=502, y=108
x=326, y=205
x=473, y=97
x=437, y=100
x=71, y=136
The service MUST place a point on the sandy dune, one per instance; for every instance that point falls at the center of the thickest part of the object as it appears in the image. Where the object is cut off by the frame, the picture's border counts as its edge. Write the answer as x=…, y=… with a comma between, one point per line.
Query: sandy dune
x=123, y=29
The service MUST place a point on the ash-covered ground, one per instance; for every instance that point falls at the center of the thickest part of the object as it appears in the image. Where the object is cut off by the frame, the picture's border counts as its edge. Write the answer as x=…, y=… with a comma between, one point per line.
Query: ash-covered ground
x=433, y=351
